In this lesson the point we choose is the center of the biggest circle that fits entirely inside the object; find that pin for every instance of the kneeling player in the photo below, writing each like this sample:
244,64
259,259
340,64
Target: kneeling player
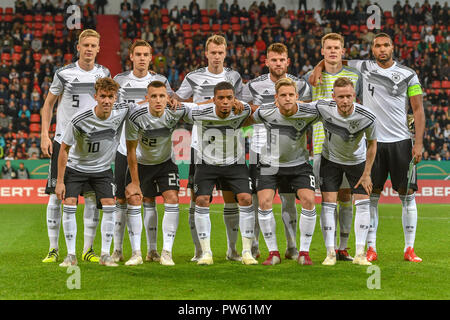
348,126
94,135
222,156
284,160
151,169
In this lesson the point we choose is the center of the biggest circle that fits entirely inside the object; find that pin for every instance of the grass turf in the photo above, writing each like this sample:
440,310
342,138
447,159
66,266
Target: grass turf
24,243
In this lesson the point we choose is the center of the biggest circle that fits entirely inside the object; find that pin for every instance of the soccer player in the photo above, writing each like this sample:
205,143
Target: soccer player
133,88
73,87
284,159
221,155
87,151
152,170
261,91
332,51
389,88
199,85
348,126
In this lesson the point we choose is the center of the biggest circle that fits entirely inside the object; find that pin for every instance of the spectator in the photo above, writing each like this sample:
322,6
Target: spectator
234,9
224,12
22,172
124,14
100,4
8,171
194,11
174,14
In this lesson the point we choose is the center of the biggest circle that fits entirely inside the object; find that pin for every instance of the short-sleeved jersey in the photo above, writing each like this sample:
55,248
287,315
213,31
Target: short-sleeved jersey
76,88
261,90
134,89
286,136
345,141
220,141
386,93
324,90
94,141
154,134
199,84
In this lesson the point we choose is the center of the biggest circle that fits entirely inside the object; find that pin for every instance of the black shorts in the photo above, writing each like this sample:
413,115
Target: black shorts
331,175
53,172
158,178
291,178
101,182
236,176
120,174
393,159
220,183
282,187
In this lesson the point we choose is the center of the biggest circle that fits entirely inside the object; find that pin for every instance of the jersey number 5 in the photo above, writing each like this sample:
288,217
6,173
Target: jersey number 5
76,100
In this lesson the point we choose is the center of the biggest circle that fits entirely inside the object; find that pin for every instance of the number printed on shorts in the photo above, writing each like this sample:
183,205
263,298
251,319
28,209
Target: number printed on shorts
174,180
312,181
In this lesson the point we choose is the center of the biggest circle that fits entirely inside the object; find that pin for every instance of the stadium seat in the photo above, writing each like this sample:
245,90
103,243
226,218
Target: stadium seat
28,18
215,27
188,41
363,27
203,12
186,27
16,56
9,10
234,20
7,18
18,49
264,20
388,14
165,19
37,56
390,21
225,27
35,118
1,10
165,26
37,34
59,26
272,20
212,12
354,28
6,57
48,18
53,127
59,34
35,127
206,27
205,19
38,18
413,28
196,26
436,84
187,34
38,26
446,84
59,18
416,36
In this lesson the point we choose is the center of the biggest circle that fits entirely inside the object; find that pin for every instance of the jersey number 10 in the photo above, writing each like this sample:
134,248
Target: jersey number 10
93,146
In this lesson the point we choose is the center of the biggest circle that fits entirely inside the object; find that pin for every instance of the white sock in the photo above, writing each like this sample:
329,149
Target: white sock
134,223
372,234
192,227
107,228
203,225
256,231
91,216
362,222
289,217
345,223
327,224
268,227
53,221
170,225
307,225
409,219
247,225
151,225
231,219
70,227
120,219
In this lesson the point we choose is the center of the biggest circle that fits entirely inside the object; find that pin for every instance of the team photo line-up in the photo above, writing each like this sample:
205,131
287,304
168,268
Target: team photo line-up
357,110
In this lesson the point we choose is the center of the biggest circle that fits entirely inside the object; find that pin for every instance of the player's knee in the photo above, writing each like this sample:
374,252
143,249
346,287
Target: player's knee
344,195
135,200
170,197
202,201
70,201
121,200
308,201
107,202
244,199
265,203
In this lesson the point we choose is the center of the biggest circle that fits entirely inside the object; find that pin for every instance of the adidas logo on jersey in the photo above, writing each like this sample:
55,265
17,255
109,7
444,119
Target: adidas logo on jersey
266,92
128,85
76,80
205,82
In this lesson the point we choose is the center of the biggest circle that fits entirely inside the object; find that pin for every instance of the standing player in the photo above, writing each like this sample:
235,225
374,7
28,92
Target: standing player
73,85
87,149
261,91
199,85
389,89
332,51
133,88
151,167
348,126
221,150
285,160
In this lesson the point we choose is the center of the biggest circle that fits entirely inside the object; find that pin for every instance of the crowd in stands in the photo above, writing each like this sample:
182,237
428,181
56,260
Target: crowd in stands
35,43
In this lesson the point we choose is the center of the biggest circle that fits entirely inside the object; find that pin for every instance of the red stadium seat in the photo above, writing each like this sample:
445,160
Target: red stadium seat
8,18
164,12
59,34
212,12
6,56
215,27
205,19
186,27
165,26
272,20
236,27
416,36
16,56
413,28
35,127
28,18
59,18
1,10
188,41
48,18
53,127
264,20
446,84
35,117
18,49
9,10
165,19
37,34
38,18
37,56
225,27
68,57
436,84
38,26
354,28
203,12
390,21
234,20
206,27
59,26
196,26
388,14
187,34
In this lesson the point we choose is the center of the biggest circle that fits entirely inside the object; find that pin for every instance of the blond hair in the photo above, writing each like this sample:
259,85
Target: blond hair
277,48
140,43
285,82
333,36
216,39
106,84
343,82
88,33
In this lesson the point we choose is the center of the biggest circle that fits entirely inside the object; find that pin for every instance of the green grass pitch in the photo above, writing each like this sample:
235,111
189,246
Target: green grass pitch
24,243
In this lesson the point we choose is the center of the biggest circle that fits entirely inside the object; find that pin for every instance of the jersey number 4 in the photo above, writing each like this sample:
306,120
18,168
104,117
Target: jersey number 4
371,88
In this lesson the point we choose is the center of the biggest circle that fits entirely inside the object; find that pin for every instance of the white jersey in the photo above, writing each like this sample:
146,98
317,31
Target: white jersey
77,89
261,90
286,136
199,84
134,89
386,93
154,134
345,137
94,141
221,142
